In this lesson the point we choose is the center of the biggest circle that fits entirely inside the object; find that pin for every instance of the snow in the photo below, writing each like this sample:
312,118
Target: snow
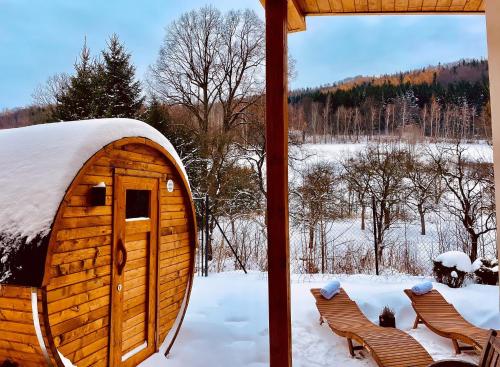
38,164
459,259
226,322
476,265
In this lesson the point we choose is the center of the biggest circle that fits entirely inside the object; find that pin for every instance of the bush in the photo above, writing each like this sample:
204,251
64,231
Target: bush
452,277
451,268
387,318
486,271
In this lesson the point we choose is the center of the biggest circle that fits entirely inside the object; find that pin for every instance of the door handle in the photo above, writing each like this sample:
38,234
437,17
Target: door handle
123,251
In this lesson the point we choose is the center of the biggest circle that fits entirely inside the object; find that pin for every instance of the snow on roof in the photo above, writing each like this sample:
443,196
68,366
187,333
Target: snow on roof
459,259
38,163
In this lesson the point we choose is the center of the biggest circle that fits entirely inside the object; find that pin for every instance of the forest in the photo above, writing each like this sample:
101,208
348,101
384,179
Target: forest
442,102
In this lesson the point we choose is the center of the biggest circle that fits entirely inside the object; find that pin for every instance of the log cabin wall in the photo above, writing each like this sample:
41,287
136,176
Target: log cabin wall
79,263
19,341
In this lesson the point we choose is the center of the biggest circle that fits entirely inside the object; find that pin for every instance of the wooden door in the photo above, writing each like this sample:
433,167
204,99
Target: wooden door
133,313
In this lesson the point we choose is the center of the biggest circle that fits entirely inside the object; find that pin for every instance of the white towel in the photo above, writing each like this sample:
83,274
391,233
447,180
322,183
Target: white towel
330,289
422,288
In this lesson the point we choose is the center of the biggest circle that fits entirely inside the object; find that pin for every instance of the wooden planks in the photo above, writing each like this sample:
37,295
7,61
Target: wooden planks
175,256
18,339
443,319
389,347
299,9
79,271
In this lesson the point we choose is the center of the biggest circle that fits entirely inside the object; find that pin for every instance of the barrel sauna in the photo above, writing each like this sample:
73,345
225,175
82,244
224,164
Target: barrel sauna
97,241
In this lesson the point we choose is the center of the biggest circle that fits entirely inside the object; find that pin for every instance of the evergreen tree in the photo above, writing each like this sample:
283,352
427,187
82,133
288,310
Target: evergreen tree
76,100
122,93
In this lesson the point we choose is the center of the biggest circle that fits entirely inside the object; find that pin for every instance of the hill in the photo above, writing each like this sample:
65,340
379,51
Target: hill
441,102
444,74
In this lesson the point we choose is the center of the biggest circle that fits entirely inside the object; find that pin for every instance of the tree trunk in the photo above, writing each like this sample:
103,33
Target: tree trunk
422,219
473,250
363,214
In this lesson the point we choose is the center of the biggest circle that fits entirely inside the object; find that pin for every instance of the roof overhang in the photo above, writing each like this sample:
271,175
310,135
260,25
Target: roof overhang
299,9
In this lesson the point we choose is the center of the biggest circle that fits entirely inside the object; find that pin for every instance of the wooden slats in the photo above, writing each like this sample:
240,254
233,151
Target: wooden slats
78,293
18,339
299,9
443,319
389,347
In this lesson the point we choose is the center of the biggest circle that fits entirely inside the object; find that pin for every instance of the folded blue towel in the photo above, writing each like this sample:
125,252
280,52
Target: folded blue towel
422,288
330,289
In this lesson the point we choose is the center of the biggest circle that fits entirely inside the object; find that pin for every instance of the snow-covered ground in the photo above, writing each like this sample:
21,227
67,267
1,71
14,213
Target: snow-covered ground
226,323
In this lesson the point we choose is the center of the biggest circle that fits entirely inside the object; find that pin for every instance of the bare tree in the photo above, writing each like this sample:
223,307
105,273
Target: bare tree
471,186
425,190
46,94
210,58
316,204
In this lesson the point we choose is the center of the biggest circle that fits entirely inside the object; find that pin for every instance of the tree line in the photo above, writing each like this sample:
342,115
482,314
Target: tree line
457,108
386,184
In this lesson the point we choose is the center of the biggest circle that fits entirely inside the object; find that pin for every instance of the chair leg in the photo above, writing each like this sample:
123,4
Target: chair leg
417,321
351,347
456,346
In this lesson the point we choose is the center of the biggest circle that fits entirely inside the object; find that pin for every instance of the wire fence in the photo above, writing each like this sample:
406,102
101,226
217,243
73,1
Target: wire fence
344,246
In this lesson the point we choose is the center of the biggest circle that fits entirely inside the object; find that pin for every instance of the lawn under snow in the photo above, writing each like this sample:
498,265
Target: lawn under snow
226,321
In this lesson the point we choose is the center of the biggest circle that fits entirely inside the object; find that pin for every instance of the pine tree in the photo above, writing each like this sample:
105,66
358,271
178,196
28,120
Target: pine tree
76,101
122,92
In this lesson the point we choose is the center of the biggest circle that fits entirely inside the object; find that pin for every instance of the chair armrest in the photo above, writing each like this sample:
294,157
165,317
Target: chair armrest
452,363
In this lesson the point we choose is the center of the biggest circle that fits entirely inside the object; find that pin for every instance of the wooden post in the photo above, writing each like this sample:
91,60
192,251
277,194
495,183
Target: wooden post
493,29
280,339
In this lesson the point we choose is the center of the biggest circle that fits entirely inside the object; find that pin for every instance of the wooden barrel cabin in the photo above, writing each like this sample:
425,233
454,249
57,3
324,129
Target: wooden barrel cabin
97,241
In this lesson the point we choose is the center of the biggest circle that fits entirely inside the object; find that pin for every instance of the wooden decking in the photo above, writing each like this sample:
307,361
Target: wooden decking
389,347
443,319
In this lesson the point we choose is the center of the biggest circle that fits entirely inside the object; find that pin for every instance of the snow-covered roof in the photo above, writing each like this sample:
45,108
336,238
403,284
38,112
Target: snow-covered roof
38,164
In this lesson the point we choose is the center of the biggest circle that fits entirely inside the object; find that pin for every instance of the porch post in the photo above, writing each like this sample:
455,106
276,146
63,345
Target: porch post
277,183
493,30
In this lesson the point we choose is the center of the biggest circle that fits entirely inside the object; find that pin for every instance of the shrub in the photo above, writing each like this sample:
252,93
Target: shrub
387,318
486,271
452,277
451,268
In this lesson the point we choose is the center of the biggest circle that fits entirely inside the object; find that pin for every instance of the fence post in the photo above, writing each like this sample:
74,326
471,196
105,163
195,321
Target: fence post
375,239
207,232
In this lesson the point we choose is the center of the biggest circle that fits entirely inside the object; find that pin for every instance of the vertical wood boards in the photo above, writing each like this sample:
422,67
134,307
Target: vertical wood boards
133,290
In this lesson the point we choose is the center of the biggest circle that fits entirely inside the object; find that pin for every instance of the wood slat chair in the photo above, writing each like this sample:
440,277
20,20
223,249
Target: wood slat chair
490,356
389,347
443,319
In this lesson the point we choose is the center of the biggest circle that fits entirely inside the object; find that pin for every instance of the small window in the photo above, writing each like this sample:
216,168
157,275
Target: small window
137,204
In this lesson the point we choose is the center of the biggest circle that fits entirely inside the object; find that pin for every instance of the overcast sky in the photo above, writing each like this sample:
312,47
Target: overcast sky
41,38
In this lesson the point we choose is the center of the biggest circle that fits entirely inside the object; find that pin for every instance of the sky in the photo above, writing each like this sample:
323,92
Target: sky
42,38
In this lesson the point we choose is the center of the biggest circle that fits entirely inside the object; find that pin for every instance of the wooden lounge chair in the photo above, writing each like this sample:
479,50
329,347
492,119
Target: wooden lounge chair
490,356
389,347
443,319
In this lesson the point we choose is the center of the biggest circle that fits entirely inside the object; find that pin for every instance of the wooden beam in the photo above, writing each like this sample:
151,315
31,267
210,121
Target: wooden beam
280,339
493,30
296,16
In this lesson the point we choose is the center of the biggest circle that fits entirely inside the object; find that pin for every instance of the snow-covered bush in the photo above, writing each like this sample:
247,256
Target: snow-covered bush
451,268
486,271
